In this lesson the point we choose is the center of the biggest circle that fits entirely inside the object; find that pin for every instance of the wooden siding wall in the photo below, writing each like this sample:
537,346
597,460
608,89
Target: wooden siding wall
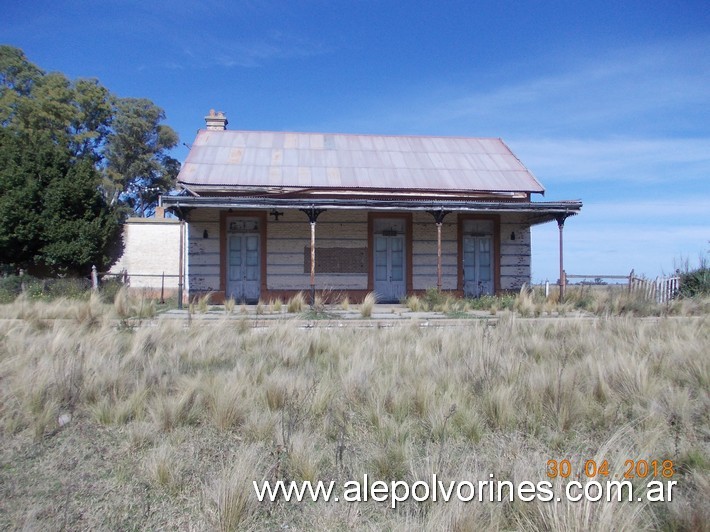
288,236
515,254
203,253
424,252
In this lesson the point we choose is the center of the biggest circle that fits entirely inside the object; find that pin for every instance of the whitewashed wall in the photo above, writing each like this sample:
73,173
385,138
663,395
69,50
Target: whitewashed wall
203,253
424,243
515,254
288,236
151,246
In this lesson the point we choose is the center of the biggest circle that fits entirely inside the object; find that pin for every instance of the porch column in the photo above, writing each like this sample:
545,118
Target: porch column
563,278
439,219
313,214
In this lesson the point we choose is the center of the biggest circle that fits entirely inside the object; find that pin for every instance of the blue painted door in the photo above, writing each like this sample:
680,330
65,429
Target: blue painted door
244,275
389,268
477,266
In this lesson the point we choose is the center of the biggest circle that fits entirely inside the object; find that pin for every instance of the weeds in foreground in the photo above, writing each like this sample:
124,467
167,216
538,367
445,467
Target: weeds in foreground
164,468
193,415
448,303
368,304
276,305
230,497
296,304
129,305
203,303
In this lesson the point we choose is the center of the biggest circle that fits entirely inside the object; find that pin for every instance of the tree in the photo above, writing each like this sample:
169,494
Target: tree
78,226
74,159
23,175
52,214
124,137
138,167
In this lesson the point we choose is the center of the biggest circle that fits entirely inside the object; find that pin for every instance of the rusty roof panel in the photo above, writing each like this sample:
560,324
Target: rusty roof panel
279,159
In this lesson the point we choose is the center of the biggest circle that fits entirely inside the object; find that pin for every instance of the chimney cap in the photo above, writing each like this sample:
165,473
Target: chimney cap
216,121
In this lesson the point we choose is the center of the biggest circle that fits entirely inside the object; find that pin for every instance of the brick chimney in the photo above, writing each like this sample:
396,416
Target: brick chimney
216,121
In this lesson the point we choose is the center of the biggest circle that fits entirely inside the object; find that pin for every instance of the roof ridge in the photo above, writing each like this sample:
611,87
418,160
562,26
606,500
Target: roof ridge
284,132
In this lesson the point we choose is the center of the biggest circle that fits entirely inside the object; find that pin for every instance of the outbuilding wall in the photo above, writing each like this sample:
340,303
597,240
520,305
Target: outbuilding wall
151,247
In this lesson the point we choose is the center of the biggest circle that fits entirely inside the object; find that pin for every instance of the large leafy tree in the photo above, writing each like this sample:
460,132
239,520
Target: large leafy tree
138,166
73,159
53,217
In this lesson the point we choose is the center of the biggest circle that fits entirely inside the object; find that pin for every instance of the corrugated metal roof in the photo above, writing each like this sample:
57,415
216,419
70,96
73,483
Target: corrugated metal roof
268,159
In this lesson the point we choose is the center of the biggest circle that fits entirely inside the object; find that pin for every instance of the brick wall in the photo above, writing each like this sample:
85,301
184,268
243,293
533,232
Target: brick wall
151,246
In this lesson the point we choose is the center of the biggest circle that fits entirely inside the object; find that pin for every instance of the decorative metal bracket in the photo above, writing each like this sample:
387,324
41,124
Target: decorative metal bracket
561,218
276,214
312,213
439,215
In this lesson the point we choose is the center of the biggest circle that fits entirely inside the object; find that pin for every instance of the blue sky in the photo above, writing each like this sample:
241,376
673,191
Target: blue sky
607,101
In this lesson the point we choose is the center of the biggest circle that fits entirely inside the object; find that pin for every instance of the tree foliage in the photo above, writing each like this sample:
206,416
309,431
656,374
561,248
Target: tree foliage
74,159
137,164
53,216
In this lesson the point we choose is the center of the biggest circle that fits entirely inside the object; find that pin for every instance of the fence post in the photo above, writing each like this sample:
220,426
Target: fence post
162,289
547,289
94,278
631,280
563,284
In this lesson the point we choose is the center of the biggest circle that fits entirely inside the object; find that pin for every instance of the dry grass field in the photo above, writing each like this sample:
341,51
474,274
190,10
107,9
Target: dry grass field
104,425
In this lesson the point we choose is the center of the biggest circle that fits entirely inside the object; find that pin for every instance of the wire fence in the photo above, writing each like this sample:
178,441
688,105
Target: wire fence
124,278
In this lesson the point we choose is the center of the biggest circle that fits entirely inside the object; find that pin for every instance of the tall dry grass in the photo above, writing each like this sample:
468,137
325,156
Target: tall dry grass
175,421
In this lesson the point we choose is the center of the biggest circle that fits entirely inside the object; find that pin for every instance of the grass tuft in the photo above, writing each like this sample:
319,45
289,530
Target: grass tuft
368,304
296,304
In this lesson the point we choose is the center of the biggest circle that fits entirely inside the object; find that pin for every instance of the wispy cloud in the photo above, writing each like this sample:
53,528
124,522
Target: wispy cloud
249,53
640,91
634,160
627,93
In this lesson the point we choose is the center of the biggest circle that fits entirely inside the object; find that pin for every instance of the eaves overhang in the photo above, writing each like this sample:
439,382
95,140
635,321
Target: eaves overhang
536,212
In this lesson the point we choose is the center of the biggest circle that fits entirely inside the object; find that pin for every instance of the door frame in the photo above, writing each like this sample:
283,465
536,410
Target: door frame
496,248
223,248
407,217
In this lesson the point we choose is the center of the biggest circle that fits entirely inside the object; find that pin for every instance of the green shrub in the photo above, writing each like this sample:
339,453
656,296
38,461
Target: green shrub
696,282
70,287
10,288
434,299
108,288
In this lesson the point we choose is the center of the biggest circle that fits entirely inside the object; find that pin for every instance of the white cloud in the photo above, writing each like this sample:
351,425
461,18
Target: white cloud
652,91
249,53
619,159
626,93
